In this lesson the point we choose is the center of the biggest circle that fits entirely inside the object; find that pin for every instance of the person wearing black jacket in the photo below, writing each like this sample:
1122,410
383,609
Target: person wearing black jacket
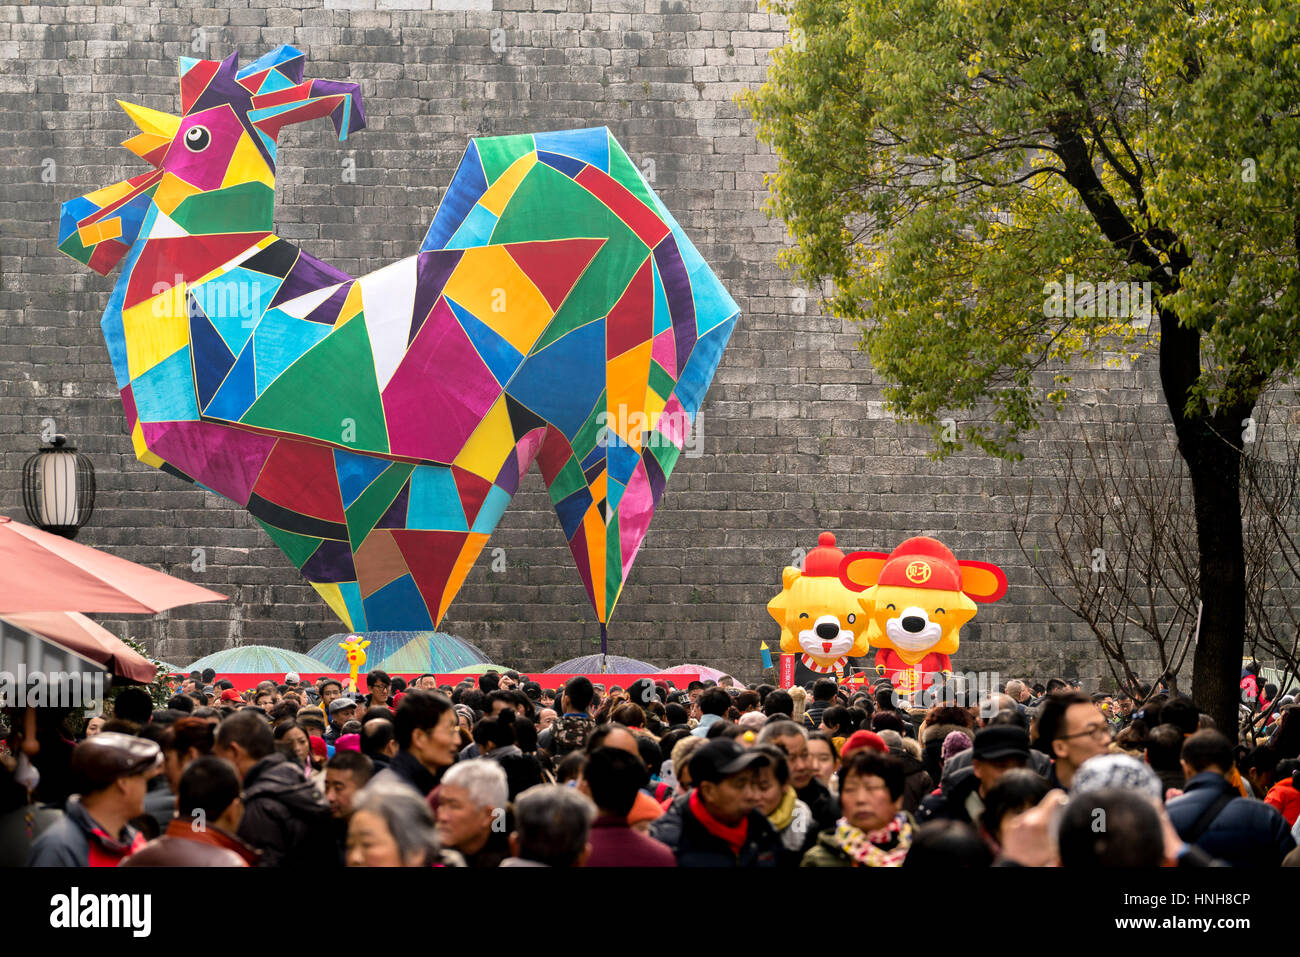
379,742
1213,816
497,737
998,748
285,817
342,710
427,739
823,693
717,823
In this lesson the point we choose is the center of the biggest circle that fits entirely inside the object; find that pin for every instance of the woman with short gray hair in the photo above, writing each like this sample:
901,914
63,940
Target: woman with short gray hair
392,826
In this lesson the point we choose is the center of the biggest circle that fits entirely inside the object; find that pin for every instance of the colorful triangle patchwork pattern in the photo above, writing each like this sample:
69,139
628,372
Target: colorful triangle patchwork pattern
377,426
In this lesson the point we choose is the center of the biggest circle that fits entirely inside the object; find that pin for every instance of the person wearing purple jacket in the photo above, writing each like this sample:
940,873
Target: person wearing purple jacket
613,777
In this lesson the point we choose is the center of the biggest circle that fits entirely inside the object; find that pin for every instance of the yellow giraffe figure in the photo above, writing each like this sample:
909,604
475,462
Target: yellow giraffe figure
355,649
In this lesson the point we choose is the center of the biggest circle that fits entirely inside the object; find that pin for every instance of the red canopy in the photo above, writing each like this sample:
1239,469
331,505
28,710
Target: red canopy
43,572
79,634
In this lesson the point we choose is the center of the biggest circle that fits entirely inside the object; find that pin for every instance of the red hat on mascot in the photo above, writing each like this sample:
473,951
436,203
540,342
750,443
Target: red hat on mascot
824,560
922,563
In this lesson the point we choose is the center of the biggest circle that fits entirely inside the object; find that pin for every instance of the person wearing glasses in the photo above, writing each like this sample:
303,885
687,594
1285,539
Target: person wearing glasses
1071,729
378,686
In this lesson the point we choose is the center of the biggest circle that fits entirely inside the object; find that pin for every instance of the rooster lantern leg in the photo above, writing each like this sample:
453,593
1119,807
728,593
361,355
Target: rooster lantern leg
916,600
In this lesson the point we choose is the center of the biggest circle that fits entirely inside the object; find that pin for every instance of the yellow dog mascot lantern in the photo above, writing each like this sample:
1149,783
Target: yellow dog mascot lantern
916,599
820,618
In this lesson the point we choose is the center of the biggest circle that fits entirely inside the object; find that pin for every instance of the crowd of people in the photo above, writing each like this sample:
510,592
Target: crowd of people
498,771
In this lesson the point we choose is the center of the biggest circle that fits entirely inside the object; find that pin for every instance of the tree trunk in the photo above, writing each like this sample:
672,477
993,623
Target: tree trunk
1211,447
1214,461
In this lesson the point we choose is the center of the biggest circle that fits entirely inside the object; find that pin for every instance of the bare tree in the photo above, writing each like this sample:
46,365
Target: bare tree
1120,549
1271,522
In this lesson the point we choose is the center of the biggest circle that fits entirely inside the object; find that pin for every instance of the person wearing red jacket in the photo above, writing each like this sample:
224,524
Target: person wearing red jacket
111,773
202,834
1285,796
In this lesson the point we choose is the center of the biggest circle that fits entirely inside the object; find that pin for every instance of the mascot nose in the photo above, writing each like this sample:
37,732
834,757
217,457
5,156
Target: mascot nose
828,630
913,623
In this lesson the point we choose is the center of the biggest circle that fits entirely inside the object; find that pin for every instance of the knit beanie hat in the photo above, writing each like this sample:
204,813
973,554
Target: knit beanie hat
955,743
1116,771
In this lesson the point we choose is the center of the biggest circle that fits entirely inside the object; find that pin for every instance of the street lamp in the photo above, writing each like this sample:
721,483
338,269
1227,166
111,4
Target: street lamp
59,488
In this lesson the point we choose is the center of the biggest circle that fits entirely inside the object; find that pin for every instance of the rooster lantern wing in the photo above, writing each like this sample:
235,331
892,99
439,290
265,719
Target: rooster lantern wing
820,618
915,600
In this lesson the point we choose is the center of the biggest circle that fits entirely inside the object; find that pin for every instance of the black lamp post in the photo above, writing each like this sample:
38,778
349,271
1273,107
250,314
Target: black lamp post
59,488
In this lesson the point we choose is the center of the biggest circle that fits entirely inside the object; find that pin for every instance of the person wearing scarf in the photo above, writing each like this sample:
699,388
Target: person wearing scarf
874,830
718,823
779,803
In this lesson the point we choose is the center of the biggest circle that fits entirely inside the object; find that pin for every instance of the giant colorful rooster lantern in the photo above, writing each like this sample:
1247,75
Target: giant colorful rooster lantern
377,426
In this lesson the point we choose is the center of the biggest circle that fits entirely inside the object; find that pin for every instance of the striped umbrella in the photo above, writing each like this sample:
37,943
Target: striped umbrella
479,669
259,660
613,665
404,652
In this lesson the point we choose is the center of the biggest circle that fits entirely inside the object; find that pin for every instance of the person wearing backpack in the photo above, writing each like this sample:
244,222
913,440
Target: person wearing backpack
1213,816
568,733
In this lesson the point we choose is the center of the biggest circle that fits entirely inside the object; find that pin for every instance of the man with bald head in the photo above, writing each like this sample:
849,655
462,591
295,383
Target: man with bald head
612,735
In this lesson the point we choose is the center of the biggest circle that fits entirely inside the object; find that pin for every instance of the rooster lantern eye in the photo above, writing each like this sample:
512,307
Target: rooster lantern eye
197,139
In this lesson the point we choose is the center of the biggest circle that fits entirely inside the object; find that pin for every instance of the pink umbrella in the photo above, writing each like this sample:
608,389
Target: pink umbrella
43,572
706,673
77,633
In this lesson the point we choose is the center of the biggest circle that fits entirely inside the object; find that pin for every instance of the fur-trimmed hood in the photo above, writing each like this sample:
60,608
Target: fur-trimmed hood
941,731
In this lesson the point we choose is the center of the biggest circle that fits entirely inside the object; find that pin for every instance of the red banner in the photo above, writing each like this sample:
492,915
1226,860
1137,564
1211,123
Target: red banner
787,671
244,682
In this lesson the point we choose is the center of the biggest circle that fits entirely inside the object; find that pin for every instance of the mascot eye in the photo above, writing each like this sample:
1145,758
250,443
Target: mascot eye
197,139
803,614
890,608
938,611
852,619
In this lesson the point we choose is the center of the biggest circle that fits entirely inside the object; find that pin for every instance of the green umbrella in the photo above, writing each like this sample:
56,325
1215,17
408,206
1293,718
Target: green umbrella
479,669
258,659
